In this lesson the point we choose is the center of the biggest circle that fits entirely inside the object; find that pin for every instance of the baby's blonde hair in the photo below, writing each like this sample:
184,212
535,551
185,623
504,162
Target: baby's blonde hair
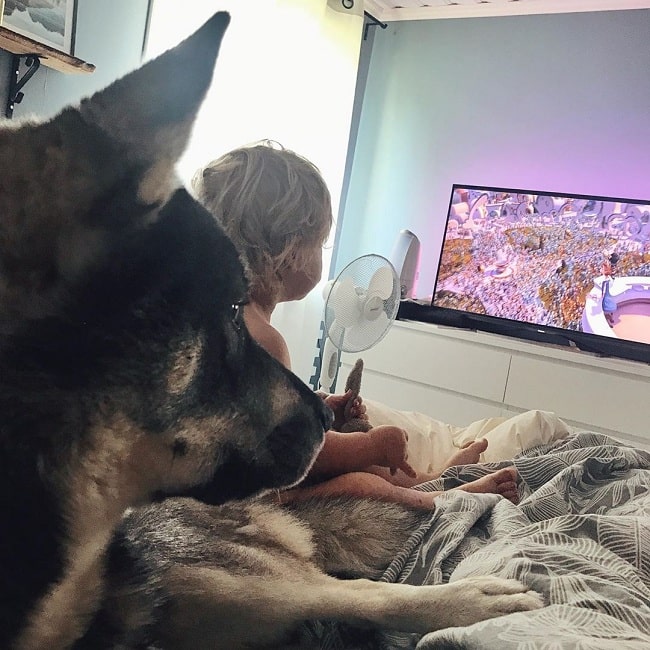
273,204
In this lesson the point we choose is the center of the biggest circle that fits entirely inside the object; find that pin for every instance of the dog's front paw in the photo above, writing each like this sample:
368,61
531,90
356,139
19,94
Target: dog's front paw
486,597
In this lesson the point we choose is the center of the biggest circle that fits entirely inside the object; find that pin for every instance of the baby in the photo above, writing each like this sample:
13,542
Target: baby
276,207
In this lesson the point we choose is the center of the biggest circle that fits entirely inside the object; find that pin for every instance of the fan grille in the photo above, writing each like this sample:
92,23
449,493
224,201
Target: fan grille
362,303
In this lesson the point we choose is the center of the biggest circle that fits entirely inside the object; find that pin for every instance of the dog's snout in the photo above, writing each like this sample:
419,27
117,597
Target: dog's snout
321,411
326,416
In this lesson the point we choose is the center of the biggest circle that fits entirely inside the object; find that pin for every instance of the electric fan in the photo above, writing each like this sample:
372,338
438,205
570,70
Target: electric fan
360,306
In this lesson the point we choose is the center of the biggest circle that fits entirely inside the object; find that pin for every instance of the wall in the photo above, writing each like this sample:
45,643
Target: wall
287,71
552,102
110,35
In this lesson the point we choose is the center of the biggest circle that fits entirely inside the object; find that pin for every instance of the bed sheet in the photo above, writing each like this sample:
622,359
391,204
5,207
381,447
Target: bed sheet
580,537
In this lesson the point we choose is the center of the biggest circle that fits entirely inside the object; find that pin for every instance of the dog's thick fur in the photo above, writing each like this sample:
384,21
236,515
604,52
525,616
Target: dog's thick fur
127,377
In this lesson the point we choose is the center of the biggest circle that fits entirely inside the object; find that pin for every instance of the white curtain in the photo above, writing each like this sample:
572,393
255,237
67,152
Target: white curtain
287,71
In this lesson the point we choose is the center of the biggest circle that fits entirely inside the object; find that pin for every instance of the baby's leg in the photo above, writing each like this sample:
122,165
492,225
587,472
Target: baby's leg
364,484
468,454
503,482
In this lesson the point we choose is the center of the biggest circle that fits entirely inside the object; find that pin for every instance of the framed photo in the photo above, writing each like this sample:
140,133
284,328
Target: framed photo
50,22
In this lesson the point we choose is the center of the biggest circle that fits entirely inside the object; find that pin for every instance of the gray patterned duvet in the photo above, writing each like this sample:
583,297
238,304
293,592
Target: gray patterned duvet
581,537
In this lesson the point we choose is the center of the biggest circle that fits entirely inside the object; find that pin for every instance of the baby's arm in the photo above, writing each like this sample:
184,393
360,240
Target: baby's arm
385,446
339,404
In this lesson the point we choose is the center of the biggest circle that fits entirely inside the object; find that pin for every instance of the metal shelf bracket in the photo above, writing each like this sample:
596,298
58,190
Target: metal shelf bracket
17,82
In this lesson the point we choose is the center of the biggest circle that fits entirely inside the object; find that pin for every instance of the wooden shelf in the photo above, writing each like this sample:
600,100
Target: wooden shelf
19,44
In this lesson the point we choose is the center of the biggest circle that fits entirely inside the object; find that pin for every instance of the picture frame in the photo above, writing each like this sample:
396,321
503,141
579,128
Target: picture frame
51,22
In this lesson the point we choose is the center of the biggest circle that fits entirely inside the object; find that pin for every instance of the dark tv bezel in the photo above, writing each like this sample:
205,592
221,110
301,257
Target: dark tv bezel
586,342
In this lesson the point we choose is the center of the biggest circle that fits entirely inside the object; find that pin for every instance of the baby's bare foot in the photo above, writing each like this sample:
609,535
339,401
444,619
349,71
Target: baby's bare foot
503,482
468,454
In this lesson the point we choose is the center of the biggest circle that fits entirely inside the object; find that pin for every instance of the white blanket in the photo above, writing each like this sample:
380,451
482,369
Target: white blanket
432,442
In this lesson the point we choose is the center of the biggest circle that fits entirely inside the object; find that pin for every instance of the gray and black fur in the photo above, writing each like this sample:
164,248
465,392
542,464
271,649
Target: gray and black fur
127,377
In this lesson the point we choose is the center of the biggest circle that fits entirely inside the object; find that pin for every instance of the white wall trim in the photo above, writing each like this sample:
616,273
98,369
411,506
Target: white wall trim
513,8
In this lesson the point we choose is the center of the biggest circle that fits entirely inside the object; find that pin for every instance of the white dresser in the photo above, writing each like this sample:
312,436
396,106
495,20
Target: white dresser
459,376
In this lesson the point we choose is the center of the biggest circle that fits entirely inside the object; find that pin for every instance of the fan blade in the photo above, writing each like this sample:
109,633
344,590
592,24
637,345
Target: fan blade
344,302
381,283
365,334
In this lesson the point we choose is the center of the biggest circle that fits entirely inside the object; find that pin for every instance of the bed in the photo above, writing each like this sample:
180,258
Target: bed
580,536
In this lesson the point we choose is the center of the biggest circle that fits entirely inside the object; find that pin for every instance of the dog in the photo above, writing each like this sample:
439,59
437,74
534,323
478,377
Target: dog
142,431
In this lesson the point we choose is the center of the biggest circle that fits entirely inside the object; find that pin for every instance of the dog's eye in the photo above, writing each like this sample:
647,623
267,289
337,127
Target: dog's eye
237,314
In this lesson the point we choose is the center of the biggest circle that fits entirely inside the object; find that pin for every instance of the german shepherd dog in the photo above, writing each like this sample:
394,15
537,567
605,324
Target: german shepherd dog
127,378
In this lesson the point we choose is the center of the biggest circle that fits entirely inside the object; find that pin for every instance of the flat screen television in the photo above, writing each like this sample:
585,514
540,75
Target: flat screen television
564,268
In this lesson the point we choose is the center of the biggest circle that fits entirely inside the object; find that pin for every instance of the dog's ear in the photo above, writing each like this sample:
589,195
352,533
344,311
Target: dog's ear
71,187
151,111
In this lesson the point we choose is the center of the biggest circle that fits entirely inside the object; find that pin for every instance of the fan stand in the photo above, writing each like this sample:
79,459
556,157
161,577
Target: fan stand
330,362
329,366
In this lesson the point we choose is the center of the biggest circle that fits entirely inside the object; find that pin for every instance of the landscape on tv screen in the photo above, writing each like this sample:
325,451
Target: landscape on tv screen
575,263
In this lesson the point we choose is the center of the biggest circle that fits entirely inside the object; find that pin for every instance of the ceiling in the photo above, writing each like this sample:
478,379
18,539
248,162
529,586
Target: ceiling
390,10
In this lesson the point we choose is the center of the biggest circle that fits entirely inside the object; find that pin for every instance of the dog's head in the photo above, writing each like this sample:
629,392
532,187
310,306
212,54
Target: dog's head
126,370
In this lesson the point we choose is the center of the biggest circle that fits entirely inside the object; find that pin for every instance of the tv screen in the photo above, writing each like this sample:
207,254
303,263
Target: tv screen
561,268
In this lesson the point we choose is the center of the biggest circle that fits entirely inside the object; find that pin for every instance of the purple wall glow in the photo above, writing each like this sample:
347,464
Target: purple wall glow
556,103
